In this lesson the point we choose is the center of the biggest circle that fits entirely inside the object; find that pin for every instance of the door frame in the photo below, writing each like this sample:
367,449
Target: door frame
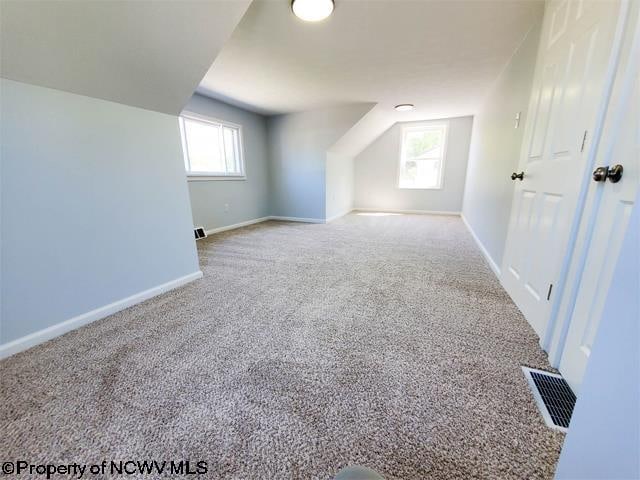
628,27
554,322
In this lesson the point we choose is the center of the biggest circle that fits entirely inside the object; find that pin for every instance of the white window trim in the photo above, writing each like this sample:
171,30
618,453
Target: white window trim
207,176
422,126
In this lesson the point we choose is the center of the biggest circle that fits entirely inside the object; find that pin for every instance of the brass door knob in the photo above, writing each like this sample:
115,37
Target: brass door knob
614,174
600,174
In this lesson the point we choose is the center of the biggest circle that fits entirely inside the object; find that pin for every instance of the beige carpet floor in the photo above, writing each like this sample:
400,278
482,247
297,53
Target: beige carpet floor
384,341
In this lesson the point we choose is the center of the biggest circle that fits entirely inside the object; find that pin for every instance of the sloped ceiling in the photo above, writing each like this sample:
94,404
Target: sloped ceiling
440,55
148,54
369,127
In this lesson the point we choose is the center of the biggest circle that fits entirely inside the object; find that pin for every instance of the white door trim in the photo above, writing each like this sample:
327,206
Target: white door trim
545,321
561,318
614,61
546,325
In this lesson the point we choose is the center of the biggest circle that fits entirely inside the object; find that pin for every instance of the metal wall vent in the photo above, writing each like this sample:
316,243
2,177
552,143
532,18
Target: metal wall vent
200,233
553,395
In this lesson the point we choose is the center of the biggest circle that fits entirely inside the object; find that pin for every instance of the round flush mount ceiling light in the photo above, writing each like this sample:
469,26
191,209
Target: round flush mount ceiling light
312,10
404,107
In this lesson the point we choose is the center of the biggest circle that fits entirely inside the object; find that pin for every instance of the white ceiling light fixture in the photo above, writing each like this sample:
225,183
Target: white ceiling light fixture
404,107
312,10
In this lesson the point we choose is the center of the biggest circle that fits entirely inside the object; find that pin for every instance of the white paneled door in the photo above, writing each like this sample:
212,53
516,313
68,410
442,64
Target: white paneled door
569,92
611,210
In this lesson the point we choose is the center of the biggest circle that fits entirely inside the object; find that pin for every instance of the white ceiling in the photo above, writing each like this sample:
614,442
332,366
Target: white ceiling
440,55
146,53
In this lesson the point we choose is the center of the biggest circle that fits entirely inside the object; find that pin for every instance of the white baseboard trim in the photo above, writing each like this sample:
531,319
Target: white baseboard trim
335,217
490,261
212,231
58,329
411,212
297,219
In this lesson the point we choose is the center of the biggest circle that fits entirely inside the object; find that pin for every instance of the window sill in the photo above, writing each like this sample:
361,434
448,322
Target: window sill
419,188
213,178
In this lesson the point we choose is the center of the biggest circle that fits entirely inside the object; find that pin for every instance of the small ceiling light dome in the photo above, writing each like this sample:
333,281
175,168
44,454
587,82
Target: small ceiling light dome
312,10
404,107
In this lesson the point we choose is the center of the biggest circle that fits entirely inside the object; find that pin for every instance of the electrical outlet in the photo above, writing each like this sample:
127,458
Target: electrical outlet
226,207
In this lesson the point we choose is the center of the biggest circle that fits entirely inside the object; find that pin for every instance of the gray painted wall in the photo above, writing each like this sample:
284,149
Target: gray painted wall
376,172
246,199
495,149
94,205
340,188
298,145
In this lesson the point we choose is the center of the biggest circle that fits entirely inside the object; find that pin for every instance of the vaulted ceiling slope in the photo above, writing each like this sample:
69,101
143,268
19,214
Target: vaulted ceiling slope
440,55
148,54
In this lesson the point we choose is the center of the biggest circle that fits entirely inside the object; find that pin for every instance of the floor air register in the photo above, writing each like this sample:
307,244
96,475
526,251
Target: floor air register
553,395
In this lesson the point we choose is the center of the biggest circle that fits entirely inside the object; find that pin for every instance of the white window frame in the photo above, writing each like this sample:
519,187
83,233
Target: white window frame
204,176
424,126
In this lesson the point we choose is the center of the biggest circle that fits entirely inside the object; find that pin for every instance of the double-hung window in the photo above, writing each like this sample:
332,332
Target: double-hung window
422,156
212,148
